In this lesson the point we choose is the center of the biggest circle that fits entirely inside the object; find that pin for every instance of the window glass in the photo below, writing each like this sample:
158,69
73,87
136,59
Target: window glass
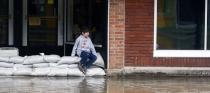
42,22
180,24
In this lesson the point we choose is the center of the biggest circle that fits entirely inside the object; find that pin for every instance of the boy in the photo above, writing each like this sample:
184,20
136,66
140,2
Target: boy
84,48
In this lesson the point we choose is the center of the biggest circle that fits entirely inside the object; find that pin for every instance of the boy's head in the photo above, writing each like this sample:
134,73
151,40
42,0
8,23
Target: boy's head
85,31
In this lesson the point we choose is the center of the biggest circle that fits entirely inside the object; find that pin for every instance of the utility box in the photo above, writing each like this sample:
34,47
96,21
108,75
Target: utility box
9,51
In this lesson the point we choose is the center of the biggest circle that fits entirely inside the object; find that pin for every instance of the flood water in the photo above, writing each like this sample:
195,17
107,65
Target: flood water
104,85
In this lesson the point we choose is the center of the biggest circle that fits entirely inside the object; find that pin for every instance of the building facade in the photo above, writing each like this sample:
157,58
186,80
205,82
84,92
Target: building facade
158,34
128,33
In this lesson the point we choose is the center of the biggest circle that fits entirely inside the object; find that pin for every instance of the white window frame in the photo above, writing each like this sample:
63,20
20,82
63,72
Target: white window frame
180,53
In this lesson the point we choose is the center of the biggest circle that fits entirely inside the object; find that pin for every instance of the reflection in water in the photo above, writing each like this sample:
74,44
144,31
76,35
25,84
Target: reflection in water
159,85
103,85
52,85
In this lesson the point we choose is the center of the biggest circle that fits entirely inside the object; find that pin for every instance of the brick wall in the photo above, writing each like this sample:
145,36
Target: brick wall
139,31
116,33
139,39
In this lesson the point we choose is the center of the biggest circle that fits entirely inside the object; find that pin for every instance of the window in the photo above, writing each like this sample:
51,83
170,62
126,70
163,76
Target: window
181,28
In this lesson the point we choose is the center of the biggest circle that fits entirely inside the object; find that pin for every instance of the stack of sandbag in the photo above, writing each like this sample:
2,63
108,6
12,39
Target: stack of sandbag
36,65
42,66
21,69
93,71
6,66
47,65
63,66
96,70
56,70
73,70
99,61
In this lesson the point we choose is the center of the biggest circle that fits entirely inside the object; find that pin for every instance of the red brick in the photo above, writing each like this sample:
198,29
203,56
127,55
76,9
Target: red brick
116,33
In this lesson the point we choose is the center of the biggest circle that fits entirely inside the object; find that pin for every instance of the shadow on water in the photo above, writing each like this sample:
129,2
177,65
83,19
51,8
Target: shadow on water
104,85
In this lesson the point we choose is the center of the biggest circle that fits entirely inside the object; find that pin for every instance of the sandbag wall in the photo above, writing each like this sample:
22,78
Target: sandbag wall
48,65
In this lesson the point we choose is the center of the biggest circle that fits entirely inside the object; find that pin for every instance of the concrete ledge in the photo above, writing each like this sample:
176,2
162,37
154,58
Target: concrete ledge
160,71
114,72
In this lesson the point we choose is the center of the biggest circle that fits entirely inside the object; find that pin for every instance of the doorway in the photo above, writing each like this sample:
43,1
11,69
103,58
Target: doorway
92,14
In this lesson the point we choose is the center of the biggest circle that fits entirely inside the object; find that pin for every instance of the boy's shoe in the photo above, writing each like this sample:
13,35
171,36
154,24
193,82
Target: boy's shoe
81,68
85,70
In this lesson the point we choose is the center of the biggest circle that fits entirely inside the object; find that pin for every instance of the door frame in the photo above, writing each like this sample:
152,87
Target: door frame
10,20
11,23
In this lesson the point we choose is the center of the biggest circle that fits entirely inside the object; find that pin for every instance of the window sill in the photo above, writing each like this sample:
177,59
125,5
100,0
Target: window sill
182,53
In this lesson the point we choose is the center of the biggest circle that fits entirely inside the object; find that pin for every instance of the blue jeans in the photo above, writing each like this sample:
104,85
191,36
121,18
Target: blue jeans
87,59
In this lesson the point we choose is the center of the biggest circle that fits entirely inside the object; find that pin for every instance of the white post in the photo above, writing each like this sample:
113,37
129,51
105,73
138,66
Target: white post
206,24
25,24
11,21
60,22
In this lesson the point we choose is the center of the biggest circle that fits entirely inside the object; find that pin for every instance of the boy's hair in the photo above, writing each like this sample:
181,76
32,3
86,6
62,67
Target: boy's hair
84,29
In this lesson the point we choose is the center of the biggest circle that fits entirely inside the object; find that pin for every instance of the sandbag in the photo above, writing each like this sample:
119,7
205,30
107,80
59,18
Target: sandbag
4,59
22,66
6,71
58,66
73,66
69,60
6,65
34,59
22,71
75,72
51,58
41,71
52,64
41,65
17,59
99,61
62,66
58,71
95,72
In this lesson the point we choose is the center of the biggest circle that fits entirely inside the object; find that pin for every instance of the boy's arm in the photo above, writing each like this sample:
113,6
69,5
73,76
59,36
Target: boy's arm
93,49
75,47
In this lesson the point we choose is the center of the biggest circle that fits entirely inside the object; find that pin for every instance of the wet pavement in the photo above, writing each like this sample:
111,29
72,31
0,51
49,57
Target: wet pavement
104,85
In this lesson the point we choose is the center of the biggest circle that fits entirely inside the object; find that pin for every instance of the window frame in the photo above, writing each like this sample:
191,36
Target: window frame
180,53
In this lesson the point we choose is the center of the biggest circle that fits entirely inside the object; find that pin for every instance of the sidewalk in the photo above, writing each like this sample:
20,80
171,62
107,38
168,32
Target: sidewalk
160,71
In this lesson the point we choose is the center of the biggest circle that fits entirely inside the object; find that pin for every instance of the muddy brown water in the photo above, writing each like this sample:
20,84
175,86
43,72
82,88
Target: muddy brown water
104,85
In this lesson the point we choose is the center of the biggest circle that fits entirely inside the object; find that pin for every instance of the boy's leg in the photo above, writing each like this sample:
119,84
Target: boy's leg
83,61
84,56
92,58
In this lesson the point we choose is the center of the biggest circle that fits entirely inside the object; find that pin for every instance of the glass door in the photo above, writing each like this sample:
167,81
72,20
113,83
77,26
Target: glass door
42,22
4,16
